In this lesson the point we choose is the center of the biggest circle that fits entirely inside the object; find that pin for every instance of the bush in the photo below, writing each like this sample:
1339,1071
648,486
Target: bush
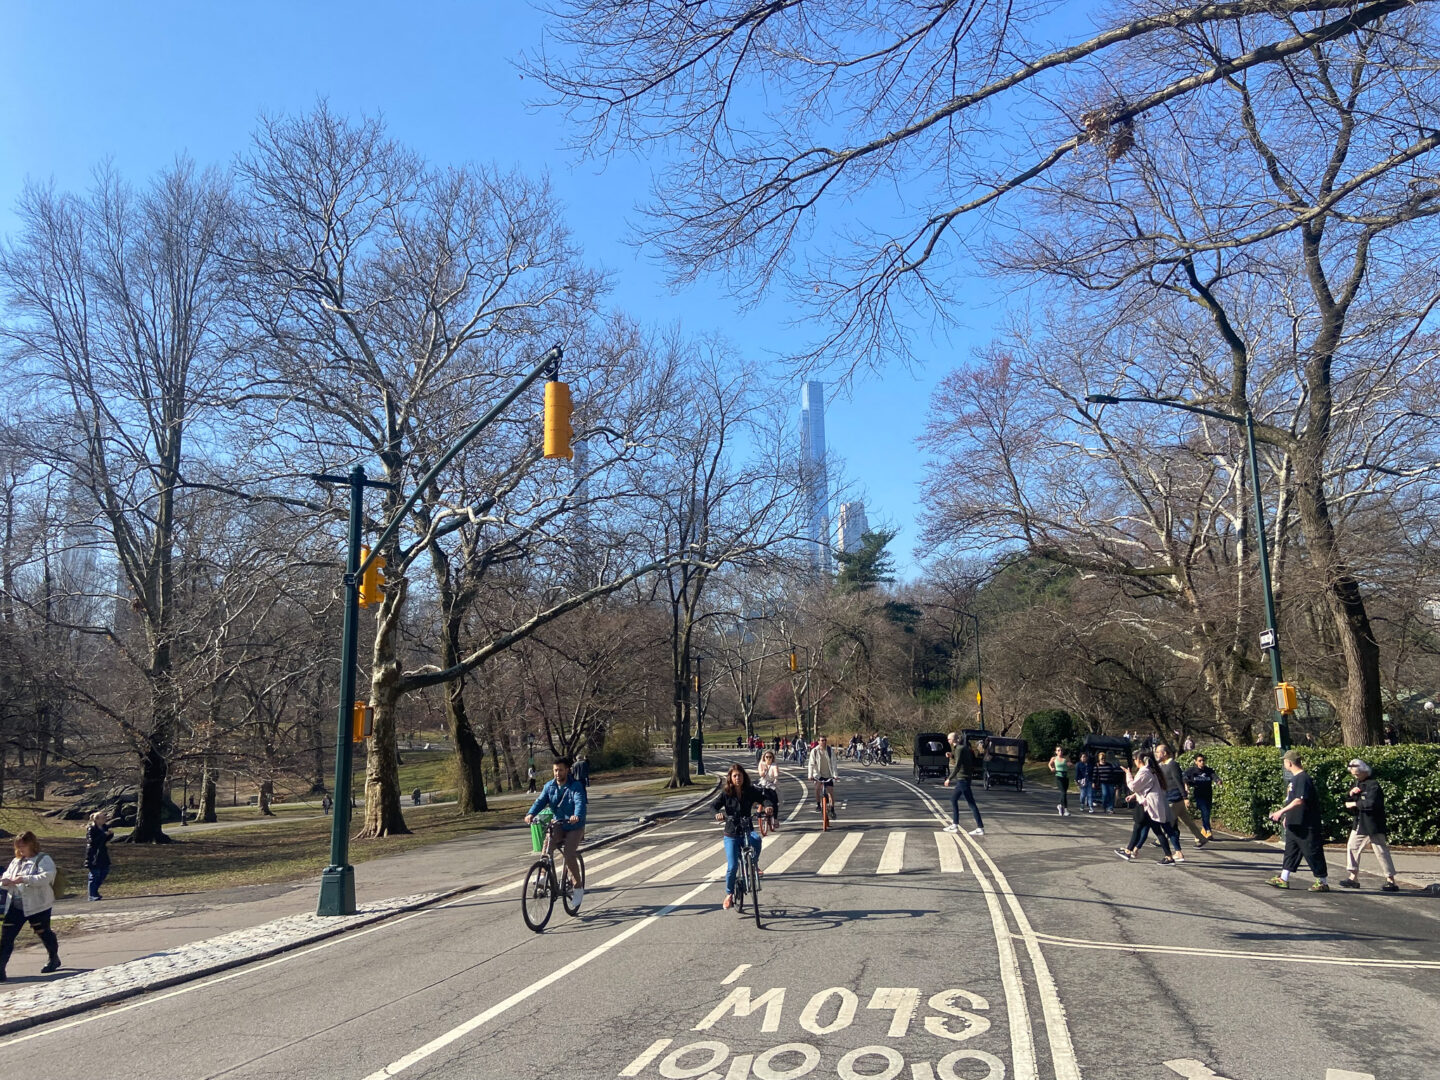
1047,729
1252,784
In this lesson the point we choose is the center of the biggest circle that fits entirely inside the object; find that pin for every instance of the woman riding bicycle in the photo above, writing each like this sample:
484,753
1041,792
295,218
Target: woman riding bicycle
767,779
734,806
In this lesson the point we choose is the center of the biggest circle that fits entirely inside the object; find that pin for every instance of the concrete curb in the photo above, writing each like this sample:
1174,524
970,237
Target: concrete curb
321,933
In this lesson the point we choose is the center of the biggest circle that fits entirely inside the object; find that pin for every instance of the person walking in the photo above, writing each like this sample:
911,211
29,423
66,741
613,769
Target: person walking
29,885
1062,767
326,804
1147,791
1177,795
1104,779
1200,778
97,852
530,779
582,771
1084,773
962,768
1301,815
1366,800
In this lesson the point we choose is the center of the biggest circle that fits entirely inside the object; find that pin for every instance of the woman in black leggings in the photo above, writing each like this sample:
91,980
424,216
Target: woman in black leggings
1062,767
1147,791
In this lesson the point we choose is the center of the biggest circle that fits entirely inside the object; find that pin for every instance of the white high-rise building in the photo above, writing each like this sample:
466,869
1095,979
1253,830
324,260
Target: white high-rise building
851,525
813,474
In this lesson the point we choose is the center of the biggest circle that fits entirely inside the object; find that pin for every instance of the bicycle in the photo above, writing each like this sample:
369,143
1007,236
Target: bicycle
866,756
747,878
537,899
825,796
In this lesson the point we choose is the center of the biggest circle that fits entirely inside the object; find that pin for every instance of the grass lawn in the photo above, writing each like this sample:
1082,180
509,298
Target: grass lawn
276,852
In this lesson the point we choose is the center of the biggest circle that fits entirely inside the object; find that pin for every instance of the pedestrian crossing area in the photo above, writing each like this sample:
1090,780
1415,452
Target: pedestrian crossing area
791,853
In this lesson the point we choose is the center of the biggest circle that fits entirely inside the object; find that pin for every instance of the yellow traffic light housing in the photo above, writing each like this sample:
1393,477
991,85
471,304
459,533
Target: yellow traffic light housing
372,582
364,722
1285,699
794,661
558,409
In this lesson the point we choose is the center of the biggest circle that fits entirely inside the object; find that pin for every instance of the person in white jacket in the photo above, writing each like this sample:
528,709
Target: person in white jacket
824,770
29,885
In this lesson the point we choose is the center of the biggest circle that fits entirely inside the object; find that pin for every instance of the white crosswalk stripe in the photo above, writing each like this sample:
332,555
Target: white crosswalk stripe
788,857
948,846
635,868
704,855
892,859
841,855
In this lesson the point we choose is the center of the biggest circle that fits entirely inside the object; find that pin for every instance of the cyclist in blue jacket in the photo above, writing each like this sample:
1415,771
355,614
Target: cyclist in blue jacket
564,796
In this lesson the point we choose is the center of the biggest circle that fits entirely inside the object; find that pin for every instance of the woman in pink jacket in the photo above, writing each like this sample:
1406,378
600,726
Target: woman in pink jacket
1147,791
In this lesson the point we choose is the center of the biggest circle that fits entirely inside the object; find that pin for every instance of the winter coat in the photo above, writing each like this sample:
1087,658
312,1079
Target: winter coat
36,891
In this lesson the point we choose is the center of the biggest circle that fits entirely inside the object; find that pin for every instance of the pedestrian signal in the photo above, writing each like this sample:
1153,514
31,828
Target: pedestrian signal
364,722
372,582
558,431
1285,700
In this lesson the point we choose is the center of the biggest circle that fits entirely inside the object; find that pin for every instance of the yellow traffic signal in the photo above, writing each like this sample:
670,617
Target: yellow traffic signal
794,661
558,431
372,582
1285,698
363,723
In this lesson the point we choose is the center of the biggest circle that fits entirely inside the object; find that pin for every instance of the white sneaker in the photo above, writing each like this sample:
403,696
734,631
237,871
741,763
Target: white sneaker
952,828
575,898
1059,810
977,832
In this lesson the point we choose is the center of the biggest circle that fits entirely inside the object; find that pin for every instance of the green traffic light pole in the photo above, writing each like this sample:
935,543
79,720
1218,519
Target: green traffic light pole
1282,727
337,881
979,686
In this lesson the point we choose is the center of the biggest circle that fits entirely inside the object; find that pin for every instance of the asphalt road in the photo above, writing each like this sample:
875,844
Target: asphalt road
890,950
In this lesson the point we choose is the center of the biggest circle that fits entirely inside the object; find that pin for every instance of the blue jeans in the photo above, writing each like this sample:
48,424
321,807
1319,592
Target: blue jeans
1203,805
732,858
98,874
1087,795
962,791
1107,796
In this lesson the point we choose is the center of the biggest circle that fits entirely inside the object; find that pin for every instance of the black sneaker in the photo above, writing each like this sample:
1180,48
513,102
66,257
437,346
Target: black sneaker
1124,854
53,965
1389,886
1349,883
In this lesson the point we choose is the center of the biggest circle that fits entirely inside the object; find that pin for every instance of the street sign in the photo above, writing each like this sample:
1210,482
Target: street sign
1267,638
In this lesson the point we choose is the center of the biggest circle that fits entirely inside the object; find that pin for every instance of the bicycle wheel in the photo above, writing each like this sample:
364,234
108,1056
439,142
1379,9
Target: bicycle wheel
538,898
752,871
567,887
740,885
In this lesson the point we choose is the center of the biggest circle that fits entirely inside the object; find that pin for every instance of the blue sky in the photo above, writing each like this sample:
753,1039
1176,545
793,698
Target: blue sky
141,84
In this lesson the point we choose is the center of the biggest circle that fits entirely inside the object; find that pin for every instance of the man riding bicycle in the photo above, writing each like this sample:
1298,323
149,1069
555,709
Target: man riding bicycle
824,770
564,796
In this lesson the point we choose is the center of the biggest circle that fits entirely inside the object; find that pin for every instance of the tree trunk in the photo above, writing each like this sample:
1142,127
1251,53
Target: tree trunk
1361,722
42,751
680,759
207,790
469,754
507,750
150,806
383,813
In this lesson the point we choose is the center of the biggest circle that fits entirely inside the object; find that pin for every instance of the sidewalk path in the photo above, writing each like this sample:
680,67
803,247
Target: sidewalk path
133,946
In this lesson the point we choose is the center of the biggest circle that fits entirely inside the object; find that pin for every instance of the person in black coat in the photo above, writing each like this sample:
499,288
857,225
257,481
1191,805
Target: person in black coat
97,851
735,806
1366,800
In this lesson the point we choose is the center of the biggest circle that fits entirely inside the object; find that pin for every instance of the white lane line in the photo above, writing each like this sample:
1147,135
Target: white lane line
948,845
788,859
892,859
706,852
841,855
800,802
603,864
635,868
733,976
1241,954
434,1046
1017,1009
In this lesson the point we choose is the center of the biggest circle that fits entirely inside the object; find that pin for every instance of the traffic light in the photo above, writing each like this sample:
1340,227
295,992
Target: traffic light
1285,698
372,582
364,722
794,661
558,431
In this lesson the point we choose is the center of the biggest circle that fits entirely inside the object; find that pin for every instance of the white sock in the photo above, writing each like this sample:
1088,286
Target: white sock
1284,875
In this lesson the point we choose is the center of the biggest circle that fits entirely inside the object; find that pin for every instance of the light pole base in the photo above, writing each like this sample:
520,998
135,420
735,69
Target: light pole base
337,891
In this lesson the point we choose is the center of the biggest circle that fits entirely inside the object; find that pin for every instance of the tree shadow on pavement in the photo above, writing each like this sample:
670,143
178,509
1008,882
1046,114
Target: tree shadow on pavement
790,919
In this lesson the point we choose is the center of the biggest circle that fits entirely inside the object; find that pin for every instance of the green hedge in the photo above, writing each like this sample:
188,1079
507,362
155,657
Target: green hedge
1252,783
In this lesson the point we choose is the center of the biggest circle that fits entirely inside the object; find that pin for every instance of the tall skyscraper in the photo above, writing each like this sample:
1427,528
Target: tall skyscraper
852,525
813,474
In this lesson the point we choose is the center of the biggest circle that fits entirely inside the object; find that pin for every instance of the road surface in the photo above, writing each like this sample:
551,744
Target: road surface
890,950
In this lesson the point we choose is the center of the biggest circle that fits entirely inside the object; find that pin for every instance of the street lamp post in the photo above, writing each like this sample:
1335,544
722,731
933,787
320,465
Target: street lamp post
337,881
1270,640
979,687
